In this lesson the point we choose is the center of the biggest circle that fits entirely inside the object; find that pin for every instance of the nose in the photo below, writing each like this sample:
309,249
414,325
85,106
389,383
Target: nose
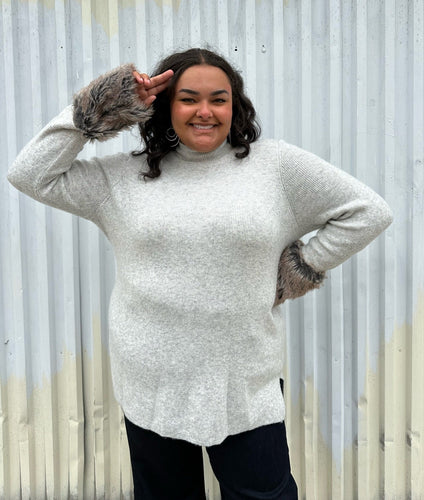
204,111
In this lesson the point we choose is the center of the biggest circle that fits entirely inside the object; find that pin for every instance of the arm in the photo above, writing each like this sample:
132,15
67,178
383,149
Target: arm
347,214
117,101
46,169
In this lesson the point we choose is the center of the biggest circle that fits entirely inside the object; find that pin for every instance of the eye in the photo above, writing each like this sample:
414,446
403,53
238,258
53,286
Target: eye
187,99
219,100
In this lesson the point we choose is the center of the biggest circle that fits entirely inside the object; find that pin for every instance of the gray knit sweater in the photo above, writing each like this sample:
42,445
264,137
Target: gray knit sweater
195,335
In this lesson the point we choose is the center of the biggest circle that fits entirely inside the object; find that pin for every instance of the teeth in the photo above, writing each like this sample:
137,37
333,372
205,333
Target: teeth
202,127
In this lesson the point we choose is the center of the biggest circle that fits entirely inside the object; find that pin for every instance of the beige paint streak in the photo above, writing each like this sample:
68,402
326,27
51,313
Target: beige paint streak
388,459
67,440
415,437
69,434
106,14
50,4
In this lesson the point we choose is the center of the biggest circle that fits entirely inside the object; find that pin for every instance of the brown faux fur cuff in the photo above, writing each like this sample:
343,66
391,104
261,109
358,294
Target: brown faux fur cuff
109,104
295,277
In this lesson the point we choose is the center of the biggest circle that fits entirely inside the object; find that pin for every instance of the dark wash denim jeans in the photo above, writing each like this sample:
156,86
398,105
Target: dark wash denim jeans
251,465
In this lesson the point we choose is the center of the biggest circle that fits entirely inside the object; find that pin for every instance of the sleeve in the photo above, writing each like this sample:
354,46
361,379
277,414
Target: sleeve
47,169
347,214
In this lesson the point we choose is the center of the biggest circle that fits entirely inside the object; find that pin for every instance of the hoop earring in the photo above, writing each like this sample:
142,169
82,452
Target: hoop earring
172,138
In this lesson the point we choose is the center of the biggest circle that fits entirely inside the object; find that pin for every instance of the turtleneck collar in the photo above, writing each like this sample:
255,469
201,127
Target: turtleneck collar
188,154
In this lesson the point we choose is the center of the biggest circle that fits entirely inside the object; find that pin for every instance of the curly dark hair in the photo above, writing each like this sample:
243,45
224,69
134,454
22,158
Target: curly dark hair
244,127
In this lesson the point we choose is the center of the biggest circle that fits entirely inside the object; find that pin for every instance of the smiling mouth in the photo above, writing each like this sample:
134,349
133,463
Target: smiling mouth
202,127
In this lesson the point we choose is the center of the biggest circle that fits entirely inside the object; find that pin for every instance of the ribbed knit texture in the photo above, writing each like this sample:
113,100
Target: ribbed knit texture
196,345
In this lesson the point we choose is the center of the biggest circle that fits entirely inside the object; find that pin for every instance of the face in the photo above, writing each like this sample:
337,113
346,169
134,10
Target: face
202,108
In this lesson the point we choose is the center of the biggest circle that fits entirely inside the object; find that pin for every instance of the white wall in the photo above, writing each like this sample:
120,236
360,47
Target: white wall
344,79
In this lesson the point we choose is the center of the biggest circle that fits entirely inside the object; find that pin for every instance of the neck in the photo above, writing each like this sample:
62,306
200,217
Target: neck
189,154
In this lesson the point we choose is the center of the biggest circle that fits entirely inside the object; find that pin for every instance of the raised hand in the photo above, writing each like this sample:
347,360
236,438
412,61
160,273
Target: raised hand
148,88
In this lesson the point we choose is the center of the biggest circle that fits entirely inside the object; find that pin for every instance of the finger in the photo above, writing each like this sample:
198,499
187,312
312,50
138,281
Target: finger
142,78
147,102
149,87
157,89
146,79
137,76
161,79
141,90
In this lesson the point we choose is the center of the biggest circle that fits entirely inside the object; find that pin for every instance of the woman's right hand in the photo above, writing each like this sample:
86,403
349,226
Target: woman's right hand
148,88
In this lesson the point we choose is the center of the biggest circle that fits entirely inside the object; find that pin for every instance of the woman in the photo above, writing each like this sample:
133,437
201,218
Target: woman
205,225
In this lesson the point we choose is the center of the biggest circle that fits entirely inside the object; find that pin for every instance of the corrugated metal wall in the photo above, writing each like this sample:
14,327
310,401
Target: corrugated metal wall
344,79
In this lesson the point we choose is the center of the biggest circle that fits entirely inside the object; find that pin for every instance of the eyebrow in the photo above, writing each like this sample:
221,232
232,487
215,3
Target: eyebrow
194,92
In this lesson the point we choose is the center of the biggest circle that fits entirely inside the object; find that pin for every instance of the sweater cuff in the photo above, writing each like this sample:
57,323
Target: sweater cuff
109,104
295,277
